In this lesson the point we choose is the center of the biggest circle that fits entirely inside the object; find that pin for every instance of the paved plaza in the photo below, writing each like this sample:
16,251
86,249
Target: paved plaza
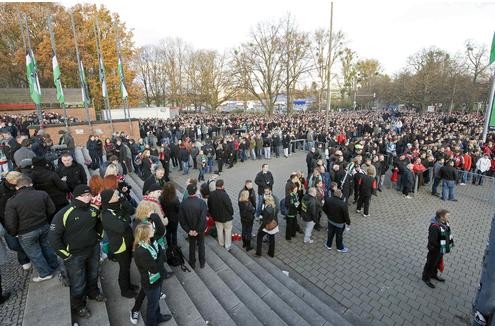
14,280
380,279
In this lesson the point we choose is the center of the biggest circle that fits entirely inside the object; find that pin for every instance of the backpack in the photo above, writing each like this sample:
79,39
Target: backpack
283,209
175,257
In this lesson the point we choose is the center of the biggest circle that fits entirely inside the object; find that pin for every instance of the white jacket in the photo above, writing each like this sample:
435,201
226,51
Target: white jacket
483,164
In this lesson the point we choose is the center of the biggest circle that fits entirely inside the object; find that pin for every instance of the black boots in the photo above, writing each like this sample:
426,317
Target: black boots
246,243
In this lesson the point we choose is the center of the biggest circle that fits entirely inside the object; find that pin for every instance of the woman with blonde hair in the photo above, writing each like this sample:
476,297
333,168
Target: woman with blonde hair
149,261
147,211
269,215
246,210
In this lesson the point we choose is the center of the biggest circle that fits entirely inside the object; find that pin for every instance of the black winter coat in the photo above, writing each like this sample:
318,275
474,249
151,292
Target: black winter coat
246,211
75,175
192,214
27,210
171,209
49,181
116,221
6,191
148,266
220,206
336,210
263,180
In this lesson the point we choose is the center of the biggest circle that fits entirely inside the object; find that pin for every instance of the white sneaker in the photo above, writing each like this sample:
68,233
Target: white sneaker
407,197
134,317
462,184
366,215
26,266
309,241
358,211
163,296
40,279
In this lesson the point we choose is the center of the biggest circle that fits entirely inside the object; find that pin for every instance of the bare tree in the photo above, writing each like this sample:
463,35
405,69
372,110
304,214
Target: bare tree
259,63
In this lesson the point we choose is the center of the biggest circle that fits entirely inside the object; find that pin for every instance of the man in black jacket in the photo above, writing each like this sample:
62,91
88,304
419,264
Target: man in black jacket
26,216
71,172
448,174
74,234
220,208
49,181
116,219
192,218
367,185
309,213
157,178
264,179
248,185
338,216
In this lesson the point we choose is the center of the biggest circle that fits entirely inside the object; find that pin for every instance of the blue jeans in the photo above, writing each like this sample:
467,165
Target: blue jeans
259,203
82,270
335,231
185,167
153,307
448,186
13,245
253,153
35,244
267,151
210,165
434,187
201,176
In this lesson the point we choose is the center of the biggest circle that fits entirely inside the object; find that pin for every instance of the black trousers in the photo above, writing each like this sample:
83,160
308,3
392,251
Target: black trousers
220,165
171,235
366,200
124,260
290,229
198,241
247,230
139,300
430,270
259,242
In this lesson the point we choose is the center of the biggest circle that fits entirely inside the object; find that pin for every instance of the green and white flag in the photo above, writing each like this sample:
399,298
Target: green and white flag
84,86
32,77
102,79
492,52
56,79
123,90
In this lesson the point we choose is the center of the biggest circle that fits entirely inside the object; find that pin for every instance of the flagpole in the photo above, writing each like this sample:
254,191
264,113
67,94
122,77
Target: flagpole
22,30
121,78
329,93
84,90
102,73
52,41
28,37
489,109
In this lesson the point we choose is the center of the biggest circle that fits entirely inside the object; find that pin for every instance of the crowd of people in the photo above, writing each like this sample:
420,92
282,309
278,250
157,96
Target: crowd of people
76,219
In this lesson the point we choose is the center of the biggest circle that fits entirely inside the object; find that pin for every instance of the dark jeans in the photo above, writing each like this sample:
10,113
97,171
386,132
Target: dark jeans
366,200
434,187
139,300
171,234
198,240
448,188
153,314
332,231
124,260
220,165
430,269
259,242
82,270
247,230
39,251
13,245
290,229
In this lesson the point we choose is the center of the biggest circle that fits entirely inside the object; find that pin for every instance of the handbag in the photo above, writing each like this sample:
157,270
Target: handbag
272,225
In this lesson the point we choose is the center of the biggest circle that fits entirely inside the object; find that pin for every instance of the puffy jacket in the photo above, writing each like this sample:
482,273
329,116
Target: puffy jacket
27,210
246,211
75,229
220,206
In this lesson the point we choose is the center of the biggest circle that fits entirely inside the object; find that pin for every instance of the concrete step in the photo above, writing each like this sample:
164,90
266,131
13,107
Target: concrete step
137,190
265,315
118,307
241,314
39,312
200,294
139,182
311,300
255,283
99,314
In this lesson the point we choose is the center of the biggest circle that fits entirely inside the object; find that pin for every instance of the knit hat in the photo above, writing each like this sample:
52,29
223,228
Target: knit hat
106,195
80,190
154,187
192,189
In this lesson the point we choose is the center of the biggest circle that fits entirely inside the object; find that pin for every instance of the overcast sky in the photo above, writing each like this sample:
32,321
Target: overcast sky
389,31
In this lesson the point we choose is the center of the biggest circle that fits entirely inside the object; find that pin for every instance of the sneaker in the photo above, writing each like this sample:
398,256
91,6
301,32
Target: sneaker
134,317
26,266
84,312
343,250
328,247
164,318
462,184
366,215
40,279
358,211
4,298
309,241
407,197
163,296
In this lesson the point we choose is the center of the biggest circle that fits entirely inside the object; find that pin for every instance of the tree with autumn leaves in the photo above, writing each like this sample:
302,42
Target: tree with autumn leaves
12,51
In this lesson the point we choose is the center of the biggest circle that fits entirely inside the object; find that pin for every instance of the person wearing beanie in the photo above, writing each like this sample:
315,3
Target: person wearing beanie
192,219
116,214
74,235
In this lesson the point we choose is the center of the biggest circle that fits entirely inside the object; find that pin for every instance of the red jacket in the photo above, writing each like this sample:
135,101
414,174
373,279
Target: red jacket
468,162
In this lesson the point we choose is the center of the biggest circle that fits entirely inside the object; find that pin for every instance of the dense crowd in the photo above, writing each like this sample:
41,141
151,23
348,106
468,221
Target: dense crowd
74,221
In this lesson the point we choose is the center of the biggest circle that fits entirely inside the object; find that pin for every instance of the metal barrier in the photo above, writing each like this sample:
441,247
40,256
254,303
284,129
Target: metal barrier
300,144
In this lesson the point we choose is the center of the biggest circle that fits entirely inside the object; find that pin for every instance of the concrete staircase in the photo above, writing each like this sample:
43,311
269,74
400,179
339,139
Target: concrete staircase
234,288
